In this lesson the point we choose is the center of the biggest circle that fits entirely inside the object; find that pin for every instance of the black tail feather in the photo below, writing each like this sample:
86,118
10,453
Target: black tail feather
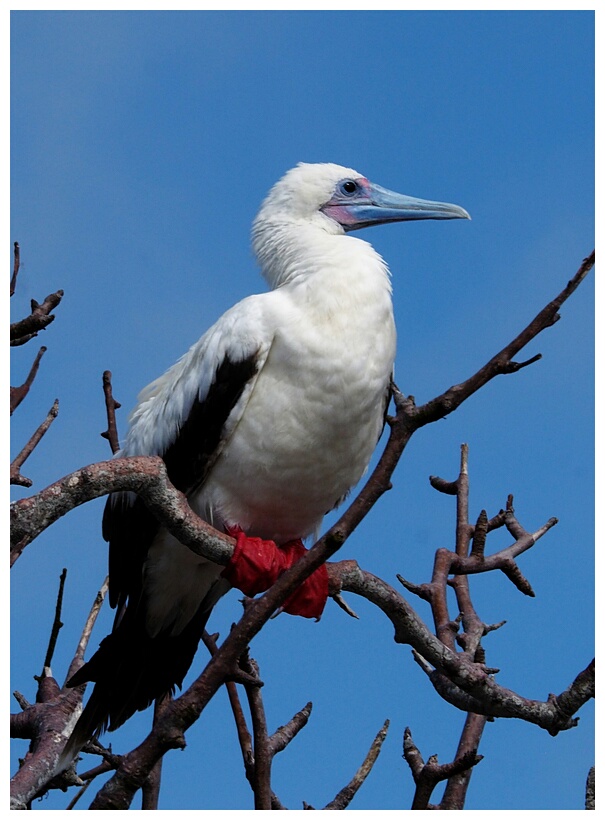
131,670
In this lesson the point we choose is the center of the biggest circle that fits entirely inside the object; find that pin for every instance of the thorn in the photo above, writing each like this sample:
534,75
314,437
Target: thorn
344,605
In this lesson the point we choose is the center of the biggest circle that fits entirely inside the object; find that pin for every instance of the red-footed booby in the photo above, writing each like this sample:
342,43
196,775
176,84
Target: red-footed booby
266,424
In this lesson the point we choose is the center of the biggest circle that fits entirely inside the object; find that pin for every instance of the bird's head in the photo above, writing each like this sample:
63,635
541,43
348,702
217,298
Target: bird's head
324,191
336,200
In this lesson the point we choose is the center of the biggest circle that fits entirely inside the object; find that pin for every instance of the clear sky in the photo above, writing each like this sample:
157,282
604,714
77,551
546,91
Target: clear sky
142,145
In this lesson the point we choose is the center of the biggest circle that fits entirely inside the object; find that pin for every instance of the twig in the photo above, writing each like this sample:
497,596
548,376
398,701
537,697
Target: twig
427,775
243,734
78,658
344,796
21,700
17,394
54,634
454,795
15,474
590,790
17,262
502,362
77,796
151,787
111,405
262,752
284,734
338,599
39,319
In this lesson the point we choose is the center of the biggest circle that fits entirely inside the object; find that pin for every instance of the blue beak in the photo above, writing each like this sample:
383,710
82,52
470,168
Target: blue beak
374,205
388,206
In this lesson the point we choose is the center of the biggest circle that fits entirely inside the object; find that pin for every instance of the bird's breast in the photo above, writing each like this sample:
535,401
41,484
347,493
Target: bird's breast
310,425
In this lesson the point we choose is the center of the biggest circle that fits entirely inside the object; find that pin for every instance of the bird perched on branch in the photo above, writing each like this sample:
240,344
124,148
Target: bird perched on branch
266,424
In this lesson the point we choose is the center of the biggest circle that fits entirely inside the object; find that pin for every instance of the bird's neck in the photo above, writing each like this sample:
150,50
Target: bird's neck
308,257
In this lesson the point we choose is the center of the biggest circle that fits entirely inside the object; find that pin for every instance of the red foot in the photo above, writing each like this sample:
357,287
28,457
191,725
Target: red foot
257,564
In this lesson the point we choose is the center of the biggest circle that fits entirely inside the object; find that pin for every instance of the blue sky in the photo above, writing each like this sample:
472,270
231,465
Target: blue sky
142,145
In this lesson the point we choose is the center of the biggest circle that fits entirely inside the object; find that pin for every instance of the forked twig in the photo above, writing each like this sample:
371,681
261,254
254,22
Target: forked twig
39,319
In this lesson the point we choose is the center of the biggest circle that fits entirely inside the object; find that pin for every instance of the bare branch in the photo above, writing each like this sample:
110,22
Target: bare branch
52,719
458,782
15,474
263,756
590,790
144,475
577,693
284,734
111,405
16,265
151,788
17,394
502,362
244,736
428,775
39,319
54,634
476,689
78,658
344,797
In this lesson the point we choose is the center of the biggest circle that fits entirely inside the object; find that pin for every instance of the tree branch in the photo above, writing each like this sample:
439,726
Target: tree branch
15,474
502,362
147,478
39,319
478,690
111,405
344,796
17,394
54,633
457,773
16,265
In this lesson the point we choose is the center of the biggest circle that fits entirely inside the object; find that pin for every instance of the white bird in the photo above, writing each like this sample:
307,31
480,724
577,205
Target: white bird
266,423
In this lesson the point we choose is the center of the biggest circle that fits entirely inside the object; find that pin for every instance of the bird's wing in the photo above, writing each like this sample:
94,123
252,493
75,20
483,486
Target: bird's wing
186,416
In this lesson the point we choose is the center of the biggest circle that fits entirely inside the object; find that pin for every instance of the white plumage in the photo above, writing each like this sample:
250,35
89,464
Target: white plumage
266,423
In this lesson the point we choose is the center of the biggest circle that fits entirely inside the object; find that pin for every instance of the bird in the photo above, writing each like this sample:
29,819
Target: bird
266,424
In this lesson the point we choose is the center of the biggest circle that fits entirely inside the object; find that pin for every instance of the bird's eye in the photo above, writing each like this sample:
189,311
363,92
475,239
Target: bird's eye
348,187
